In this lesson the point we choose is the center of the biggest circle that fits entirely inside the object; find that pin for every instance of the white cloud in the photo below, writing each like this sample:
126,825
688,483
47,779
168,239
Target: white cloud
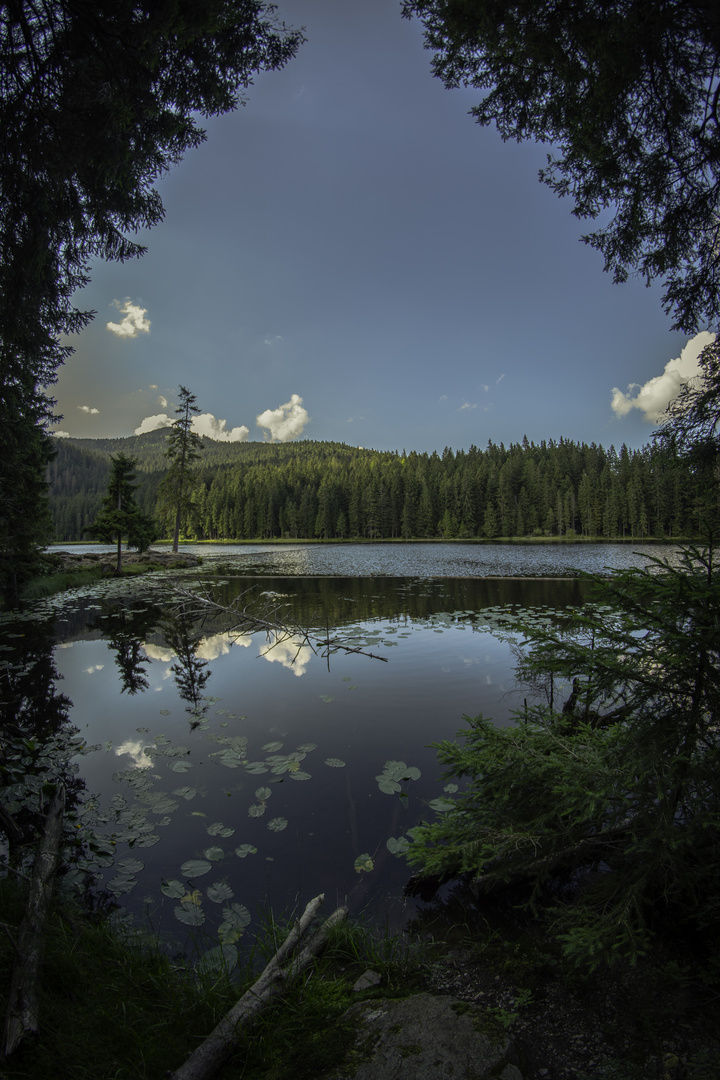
205,425
208,427
133,322
136,749
485,387
286,422
467,405
214,645
653,397
162,401
152,423
292,654
61,434
499,379
158,652
87,409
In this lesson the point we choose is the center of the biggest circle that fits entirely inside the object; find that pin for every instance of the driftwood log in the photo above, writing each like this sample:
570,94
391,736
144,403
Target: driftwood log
209,1057
21,1017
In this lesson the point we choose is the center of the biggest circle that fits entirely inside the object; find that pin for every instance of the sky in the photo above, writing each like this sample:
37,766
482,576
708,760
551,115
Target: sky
349,257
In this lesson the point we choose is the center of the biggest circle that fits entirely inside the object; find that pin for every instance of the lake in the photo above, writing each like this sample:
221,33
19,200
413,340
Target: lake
230,776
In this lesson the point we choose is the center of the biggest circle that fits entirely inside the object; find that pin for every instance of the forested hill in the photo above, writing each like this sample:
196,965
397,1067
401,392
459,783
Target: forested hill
329,490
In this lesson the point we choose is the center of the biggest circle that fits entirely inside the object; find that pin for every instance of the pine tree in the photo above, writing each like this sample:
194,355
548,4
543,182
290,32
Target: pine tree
183,448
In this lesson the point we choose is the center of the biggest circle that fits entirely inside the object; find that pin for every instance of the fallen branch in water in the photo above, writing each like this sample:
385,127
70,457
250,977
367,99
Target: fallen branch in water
250,618
214,1051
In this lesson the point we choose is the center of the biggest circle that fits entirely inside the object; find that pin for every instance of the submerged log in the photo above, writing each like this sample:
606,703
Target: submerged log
21,1018
209,1057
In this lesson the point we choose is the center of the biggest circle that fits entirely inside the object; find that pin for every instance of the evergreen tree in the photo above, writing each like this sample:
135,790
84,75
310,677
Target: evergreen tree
120,516
183,448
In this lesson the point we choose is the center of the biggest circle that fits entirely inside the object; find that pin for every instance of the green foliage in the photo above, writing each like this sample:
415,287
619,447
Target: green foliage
120,516
247,491
626,93
183,448
98,99
615,794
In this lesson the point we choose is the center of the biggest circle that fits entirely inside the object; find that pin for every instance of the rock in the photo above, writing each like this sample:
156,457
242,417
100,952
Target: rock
367,980
425,1037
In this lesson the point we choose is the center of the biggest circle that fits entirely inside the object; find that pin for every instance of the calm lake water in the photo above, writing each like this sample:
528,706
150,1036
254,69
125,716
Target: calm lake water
234,775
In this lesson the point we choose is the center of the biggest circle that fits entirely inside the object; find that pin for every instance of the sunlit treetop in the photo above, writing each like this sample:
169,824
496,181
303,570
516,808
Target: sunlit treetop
626,94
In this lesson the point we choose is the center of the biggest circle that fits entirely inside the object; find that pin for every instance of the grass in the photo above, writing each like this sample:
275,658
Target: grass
119,1009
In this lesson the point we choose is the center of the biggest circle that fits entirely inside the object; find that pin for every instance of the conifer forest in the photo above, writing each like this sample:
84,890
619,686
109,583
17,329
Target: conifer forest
323,490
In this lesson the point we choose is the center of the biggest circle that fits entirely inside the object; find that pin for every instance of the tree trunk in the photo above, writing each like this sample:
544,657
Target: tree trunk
21,1017
214,1051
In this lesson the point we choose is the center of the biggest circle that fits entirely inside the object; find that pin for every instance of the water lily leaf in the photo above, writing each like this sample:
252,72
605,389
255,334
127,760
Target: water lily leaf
397,847
256,810
412,773
177,751
255,767
237,915
441,805
245,849
277,824
173,888
121,884
335,762
186,793
131,866
220,891
450,788
181,766
148,840
229,934
388,786
164,712
263,793
218,829
195,868
189,914
214,853
298,774
306,747
364,863
221,959
327,697
271,747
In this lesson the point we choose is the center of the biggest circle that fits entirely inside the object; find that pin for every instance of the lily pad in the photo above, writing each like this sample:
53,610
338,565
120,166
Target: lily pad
263,793
186,793
277,824
271,747
218,829
214,854
219,892
335,762
219,960
364,863
237,915
256,810
195,868
244,850
397,847
189,914
173,888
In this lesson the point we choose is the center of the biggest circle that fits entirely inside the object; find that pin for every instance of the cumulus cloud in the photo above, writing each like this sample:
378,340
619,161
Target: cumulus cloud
215,645
158,652
162,401
133,321
207,426
286,422
289,652
61,434
152,423
87,409
653,397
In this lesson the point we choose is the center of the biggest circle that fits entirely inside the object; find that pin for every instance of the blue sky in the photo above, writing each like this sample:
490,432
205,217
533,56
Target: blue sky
350,257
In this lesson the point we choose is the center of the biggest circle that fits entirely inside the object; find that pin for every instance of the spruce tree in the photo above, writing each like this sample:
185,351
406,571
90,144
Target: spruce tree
183,448
120,515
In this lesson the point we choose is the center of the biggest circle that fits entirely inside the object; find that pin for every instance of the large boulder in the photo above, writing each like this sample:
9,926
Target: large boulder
425,1037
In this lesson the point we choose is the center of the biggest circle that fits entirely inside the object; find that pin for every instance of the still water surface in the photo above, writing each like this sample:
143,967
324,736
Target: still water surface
235,773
